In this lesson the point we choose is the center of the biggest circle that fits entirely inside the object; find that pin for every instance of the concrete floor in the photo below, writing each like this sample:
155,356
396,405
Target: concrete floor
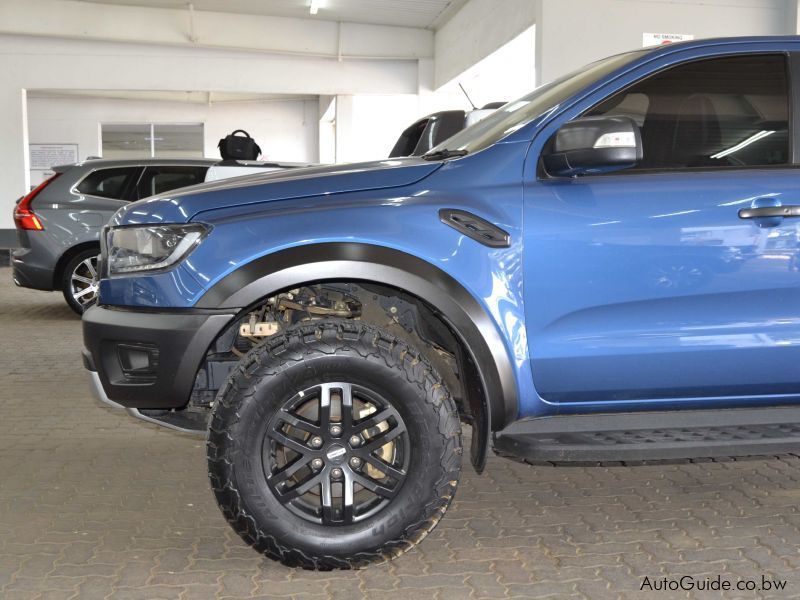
96,505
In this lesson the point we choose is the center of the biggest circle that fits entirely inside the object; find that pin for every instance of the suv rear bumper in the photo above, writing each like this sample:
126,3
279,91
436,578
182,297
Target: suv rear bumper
27,273
147,360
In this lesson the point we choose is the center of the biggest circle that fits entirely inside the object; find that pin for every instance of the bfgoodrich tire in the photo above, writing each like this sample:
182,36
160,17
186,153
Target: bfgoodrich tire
334,445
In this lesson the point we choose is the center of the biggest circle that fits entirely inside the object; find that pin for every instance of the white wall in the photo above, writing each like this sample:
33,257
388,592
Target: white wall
477,30
367,126
28,62
503,76
285,129
572,33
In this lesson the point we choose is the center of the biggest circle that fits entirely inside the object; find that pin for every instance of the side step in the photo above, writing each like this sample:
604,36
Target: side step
643,436
190,421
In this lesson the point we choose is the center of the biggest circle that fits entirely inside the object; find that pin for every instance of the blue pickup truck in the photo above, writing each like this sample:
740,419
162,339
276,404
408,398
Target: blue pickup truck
605,270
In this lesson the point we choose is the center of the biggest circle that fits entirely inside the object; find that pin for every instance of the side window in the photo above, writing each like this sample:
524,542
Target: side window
108,183
160,179
721,112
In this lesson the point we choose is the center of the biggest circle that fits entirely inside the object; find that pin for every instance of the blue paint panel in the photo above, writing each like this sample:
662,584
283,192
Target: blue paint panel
404,218
182,206
651,286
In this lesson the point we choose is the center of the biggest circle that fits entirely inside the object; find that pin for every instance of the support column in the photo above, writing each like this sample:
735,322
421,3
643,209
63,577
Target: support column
14,162
793,20
345,141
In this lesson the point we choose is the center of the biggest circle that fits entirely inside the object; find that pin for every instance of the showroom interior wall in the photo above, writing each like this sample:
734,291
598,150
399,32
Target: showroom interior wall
286,129
570,37
477,30
65,53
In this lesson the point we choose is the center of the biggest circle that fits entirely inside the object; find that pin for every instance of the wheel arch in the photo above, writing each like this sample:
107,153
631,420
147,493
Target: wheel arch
357,262
68,255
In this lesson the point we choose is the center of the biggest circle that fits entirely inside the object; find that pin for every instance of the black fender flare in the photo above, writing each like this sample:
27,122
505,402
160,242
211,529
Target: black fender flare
353,261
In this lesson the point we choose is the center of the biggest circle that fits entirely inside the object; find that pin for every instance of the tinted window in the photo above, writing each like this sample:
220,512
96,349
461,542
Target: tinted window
723,112
160,179
108,183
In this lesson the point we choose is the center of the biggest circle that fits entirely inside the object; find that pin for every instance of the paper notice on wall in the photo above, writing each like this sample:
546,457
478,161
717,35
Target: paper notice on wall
46,156
43,157
659,39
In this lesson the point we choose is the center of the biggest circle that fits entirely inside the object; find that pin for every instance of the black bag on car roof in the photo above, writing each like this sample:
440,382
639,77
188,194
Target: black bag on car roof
237,147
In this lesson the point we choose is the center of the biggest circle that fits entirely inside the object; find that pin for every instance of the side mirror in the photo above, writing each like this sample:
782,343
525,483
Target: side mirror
594,145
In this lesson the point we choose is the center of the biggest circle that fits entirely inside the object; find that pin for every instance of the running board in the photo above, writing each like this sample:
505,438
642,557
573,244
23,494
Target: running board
645,436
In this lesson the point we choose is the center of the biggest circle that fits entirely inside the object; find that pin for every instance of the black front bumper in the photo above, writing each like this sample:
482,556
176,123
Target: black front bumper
148,359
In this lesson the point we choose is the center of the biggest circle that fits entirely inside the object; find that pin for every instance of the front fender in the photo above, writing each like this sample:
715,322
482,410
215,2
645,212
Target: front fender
351,261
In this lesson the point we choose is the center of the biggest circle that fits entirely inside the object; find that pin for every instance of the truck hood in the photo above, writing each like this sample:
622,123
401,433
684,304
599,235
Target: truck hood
182,205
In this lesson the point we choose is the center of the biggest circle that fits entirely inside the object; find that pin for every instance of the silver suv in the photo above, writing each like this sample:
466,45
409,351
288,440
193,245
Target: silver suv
59,222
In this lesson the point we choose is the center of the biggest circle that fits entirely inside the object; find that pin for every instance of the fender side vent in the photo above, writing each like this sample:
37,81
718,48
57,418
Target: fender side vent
474,227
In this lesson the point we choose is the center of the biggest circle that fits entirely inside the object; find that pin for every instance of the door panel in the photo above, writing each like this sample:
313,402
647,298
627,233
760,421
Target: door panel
652,287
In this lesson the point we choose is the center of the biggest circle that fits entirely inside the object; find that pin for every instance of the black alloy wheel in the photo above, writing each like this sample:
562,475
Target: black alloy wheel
336,453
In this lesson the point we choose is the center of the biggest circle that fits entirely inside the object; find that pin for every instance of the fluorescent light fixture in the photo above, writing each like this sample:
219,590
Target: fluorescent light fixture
313,6
753,138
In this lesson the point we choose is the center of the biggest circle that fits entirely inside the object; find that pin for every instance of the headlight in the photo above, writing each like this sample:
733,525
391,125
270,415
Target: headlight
133,249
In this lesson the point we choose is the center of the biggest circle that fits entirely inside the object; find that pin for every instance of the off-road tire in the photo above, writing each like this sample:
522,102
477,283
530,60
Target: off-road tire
319,352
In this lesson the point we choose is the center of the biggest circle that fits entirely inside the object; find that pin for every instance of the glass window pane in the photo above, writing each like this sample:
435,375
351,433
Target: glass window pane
107,183
160,179
722,112
125,140
178,140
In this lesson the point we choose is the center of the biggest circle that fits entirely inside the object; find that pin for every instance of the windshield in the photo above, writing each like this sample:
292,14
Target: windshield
512,116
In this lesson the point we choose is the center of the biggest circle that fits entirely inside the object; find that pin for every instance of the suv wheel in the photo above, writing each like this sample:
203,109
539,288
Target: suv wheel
79,281
334,445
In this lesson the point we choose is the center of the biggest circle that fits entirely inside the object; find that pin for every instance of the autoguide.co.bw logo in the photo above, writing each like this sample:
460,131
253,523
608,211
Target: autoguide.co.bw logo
710,584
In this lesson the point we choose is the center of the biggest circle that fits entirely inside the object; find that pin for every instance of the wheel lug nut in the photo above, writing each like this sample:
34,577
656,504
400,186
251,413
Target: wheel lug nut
316,464
336,473
355,462
315,442
355,440
336,430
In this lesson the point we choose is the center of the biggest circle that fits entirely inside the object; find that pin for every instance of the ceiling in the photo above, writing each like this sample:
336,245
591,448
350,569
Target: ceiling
166,96
429,14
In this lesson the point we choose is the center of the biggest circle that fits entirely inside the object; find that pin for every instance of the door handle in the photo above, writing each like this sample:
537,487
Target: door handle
765,212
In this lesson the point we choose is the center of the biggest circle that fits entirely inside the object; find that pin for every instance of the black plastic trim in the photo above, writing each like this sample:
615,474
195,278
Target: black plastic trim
181,339
475,227
793,66
679,434
770,211
349,261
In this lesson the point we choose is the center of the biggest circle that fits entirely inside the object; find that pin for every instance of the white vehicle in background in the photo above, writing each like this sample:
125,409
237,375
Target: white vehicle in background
236,168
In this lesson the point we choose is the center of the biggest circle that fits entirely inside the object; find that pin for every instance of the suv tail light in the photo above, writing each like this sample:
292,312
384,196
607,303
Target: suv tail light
24,217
